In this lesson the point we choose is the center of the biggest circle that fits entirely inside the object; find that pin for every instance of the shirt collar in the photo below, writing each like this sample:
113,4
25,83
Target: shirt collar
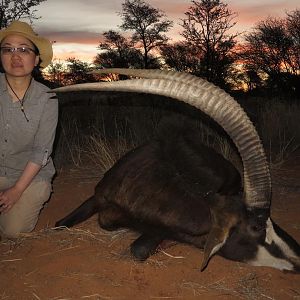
3,85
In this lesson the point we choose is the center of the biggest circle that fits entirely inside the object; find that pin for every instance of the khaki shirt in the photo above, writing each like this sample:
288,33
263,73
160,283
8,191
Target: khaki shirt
22,141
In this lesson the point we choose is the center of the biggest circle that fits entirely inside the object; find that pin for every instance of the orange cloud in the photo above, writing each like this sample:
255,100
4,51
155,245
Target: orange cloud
80,37
83,44
250,14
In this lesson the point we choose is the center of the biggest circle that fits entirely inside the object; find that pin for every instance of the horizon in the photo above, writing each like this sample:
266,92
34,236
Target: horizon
78,34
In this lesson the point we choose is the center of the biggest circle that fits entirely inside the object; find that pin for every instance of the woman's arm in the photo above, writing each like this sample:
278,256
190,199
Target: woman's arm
11,195
41,151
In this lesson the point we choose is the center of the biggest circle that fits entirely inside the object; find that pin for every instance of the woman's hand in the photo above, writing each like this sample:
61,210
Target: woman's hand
8,198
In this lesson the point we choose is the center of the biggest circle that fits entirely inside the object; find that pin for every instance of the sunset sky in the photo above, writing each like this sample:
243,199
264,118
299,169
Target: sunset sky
76,26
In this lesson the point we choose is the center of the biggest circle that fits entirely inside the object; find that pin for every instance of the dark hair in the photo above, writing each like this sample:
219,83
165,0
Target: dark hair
37,69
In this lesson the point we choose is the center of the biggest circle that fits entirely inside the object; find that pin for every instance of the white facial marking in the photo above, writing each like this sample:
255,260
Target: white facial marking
217,248
271,236
264,258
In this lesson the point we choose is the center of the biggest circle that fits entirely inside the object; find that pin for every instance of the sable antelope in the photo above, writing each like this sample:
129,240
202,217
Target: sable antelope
174,187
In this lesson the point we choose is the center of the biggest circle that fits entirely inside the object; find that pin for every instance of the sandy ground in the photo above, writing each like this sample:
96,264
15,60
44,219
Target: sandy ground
89,263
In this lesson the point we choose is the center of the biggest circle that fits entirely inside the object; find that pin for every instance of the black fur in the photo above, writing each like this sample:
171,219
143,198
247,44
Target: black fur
162,190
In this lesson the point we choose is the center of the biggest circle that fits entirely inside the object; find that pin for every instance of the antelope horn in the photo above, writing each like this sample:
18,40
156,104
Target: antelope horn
217,104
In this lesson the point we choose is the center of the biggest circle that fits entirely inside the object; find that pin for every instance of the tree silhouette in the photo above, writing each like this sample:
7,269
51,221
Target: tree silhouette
293,29
77,71
118,52
206,27
273,49
55,73
182,57
147,26
15,9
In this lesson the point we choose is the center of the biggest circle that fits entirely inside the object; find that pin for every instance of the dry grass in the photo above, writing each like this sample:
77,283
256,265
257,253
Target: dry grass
279,128
65,238
246,287
105,153
249,286
103,133
116,123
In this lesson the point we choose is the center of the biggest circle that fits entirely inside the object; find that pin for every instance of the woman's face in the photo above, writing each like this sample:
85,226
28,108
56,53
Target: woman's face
18,56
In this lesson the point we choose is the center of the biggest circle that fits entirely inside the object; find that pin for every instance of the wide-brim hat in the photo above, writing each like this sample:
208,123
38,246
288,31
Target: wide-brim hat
23,29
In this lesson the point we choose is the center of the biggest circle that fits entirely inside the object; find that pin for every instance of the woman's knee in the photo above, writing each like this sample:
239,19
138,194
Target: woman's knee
12,228
23,216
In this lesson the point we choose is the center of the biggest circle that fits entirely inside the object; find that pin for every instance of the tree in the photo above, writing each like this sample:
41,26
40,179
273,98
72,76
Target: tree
145,21
182,57
206,27
247,80
118,52
16,9
77,72
293,29
273,49
267,46
55,73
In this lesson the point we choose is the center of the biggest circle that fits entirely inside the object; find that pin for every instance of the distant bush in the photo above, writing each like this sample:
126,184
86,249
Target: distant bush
101,127
277,122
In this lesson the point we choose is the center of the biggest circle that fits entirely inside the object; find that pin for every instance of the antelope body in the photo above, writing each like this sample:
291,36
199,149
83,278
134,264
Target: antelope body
174,187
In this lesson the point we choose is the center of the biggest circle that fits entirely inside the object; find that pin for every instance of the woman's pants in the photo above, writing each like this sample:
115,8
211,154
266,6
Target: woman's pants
23,216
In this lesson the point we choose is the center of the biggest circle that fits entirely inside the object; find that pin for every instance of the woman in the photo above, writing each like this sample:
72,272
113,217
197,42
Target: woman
28,119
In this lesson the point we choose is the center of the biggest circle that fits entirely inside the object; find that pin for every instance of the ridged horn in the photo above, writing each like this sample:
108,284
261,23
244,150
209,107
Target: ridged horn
213,101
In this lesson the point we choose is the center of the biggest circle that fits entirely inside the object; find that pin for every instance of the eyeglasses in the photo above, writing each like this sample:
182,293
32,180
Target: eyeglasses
20,50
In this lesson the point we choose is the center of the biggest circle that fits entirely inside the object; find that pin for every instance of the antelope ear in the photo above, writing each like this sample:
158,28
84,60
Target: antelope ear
215,240
223,219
